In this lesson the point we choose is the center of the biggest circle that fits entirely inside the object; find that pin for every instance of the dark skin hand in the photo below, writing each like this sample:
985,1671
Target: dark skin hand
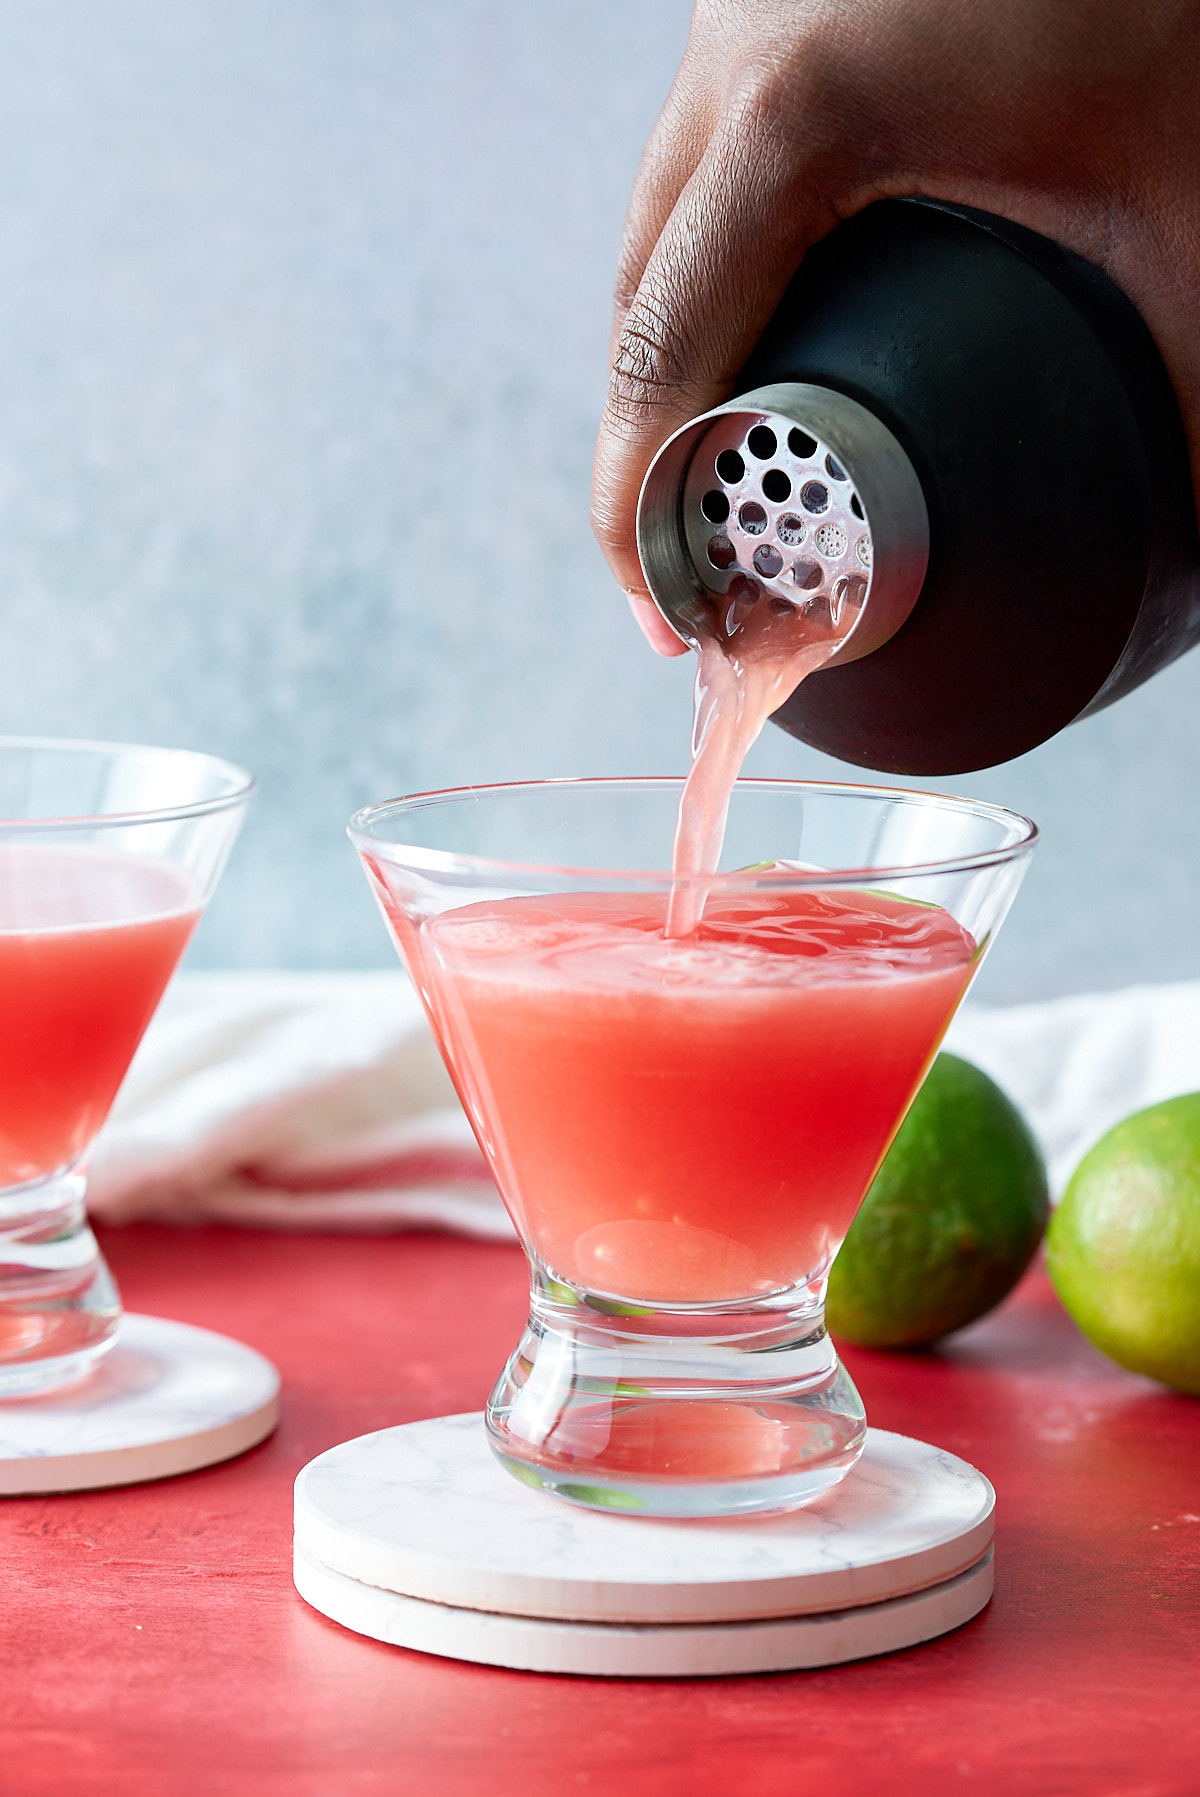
1077,118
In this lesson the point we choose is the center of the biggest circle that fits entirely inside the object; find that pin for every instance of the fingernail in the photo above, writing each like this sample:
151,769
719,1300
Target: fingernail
654,626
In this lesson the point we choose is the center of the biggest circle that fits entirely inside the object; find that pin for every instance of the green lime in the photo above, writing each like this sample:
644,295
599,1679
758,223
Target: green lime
950,1224
1124,1246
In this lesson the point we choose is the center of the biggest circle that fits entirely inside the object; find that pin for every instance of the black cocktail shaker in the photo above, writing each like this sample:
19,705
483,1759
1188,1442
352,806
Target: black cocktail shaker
966,435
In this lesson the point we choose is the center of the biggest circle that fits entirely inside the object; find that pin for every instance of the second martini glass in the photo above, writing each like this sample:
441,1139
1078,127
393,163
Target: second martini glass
108,856
682,1129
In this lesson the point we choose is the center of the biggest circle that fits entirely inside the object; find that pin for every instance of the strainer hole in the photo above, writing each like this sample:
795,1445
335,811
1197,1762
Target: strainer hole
730,467
808,575
791,530
762,442
835,469
776,486
856,505
752,518
831,541
768,560
715,506
721,552
802,445
814,497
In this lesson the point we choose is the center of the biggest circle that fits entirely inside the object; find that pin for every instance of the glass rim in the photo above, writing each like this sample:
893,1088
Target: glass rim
240,791
362,825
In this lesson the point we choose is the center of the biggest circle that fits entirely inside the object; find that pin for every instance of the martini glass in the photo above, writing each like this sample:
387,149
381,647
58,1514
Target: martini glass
108,856
682,1129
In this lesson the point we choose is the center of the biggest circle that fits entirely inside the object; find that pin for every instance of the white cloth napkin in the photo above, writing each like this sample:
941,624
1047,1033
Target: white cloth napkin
318,1101
294,1100
1075,1066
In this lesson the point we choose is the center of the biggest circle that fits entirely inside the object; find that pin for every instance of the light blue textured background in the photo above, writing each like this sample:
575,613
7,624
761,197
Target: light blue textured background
303,311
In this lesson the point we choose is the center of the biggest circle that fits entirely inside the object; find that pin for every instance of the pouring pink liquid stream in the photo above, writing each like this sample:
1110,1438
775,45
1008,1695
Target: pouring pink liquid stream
757,656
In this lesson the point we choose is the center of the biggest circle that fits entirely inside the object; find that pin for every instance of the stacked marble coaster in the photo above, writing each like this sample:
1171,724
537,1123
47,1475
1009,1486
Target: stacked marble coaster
167,1398
416,1536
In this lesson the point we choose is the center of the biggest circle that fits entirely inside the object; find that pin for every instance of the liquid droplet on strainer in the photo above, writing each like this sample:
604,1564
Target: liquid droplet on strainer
741,597
850,590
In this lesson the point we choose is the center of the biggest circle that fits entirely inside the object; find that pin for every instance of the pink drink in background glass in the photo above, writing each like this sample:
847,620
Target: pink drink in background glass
88,941
109,853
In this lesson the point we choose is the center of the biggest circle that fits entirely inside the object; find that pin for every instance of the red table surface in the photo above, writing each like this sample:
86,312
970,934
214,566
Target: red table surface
153,1642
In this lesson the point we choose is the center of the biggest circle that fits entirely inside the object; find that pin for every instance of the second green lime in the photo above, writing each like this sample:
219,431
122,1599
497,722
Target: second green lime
1124,1247
952,1220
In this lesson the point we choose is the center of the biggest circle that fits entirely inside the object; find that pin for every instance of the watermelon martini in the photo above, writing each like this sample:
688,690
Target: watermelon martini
108,855
683,1124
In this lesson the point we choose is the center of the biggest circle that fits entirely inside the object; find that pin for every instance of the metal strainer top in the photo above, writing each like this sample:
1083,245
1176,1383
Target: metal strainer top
793,494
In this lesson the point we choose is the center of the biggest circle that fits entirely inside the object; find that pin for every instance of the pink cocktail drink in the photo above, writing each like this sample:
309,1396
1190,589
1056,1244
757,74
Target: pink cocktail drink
697,1120
88,941
684,1083
108,855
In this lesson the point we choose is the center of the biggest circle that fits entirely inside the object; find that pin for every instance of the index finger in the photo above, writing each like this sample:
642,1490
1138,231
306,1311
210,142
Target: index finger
729,248
673,151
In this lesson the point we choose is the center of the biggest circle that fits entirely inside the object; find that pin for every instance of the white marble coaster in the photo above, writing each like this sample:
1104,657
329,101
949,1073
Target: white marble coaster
167,1399
425,1511
640,1650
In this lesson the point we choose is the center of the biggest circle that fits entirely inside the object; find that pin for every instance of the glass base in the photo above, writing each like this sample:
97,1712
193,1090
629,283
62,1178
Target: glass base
59,1307
676,1410
32,1378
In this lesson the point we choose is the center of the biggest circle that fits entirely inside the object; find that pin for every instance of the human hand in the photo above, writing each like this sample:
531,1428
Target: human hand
1076,118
